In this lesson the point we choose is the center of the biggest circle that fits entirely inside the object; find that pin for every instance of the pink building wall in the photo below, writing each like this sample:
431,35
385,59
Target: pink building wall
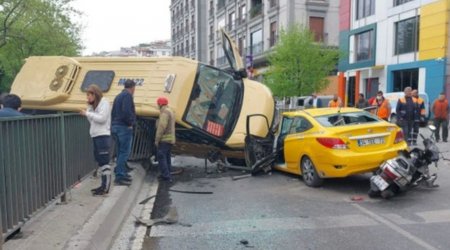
344,13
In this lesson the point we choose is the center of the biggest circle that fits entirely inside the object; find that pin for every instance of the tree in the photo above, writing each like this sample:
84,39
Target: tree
35,28
298,65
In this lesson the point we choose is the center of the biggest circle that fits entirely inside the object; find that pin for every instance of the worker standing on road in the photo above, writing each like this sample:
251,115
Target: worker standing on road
421,104
123,118
383,107
98,114
335,102
408,111
165,138
440,111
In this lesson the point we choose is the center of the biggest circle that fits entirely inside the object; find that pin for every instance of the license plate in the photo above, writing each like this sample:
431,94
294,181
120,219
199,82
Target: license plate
402,181
370,141
380,182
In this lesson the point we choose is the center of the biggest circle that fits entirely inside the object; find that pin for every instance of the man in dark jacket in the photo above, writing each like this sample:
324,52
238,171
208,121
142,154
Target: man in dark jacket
314,102
11,106
123,118
408,111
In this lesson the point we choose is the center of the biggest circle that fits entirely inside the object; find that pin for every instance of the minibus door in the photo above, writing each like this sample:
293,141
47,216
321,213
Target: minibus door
259,155
233,56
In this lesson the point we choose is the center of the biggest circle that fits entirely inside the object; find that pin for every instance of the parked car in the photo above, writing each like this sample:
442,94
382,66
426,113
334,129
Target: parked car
393,99
303,102
328,143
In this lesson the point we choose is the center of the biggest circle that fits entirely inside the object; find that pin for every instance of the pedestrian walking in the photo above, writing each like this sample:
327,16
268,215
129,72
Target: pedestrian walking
98,113
408,111
383,107
123,118
11,106
440,110
165,138
362,102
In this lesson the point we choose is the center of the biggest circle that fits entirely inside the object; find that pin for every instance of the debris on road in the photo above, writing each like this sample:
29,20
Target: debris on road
245,243
177,172
190,192
357,198
146,200
238,177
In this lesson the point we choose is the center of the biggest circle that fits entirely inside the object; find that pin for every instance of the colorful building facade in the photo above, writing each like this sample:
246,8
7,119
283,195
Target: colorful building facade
389,45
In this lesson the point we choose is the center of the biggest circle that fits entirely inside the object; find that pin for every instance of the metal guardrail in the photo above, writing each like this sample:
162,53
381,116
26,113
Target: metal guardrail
43,156
143,138
40,158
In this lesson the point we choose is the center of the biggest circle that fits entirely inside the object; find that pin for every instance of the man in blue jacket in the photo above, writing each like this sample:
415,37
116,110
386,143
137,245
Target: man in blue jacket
123,118
11,106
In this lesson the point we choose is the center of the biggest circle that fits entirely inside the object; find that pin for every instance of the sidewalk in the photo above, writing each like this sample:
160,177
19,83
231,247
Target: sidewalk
88,222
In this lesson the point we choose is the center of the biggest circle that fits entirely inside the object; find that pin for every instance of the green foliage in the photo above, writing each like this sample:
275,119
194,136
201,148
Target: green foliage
298,65
35,28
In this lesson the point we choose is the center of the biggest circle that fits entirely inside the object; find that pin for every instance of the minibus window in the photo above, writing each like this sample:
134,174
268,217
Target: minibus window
213,100
103,79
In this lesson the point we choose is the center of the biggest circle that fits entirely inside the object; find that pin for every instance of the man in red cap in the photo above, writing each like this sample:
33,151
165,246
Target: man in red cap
165,138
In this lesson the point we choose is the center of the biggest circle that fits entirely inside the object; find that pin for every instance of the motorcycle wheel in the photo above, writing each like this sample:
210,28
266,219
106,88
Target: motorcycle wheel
373,193
387,194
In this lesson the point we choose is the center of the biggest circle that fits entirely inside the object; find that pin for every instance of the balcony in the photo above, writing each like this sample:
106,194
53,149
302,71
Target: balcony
256,10
211,12
211,37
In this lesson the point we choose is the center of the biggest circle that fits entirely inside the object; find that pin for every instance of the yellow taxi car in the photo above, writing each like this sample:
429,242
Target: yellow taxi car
333,142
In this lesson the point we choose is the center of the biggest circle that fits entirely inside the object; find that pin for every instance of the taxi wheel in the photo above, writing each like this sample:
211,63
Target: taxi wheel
309,173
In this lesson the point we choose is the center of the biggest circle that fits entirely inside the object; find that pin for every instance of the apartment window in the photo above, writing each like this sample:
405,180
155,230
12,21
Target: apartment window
273,3
405,78
211,57
220,4
241,45
256,8
242,14
399,2
211,8
364,8
220,22
211,33
316,25
363,45
231,18
273,33
221,60
407,36
256,43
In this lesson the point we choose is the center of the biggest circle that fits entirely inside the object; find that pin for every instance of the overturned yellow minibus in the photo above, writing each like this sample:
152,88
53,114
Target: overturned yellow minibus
211,105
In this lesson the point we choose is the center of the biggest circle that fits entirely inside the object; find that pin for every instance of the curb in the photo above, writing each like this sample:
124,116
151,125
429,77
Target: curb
101,229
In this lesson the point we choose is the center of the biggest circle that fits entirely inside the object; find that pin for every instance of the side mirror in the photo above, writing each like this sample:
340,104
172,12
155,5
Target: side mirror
432,128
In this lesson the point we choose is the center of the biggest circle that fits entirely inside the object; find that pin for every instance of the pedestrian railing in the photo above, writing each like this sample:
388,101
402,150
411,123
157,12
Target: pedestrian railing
40,158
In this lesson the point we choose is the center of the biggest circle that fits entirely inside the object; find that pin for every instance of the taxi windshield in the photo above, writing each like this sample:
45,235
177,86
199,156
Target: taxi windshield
214,101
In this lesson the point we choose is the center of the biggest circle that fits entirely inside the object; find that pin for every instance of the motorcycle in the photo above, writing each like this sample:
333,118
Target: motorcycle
407,170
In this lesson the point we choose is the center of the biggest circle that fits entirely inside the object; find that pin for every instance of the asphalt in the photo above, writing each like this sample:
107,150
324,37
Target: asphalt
88,222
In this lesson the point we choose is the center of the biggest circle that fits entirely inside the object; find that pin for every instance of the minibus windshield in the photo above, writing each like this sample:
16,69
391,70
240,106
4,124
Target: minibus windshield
212,105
